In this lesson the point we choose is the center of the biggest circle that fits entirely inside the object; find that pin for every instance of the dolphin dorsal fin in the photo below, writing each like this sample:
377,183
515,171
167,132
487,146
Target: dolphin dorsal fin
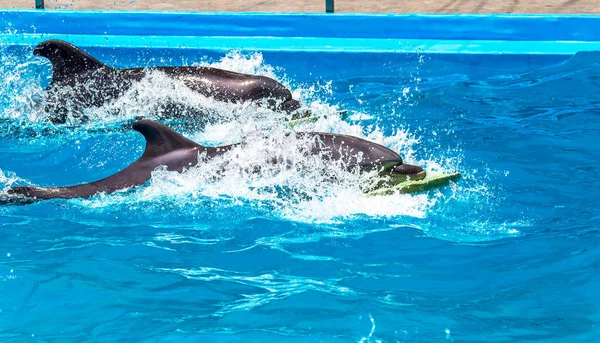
160,139
66,58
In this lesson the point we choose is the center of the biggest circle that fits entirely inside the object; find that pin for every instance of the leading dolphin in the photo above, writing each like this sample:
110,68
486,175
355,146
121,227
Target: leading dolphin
165,147
80,81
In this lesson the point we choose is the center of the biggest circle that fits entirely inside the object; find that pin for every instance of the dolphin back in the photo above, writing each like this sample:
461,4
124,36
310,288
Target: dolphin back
164,147
353,151
67,60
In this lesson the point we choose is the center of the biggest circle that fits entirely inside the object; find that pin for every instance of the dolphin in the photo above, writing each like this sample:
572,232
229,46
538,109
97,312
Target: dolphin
81,81
167,148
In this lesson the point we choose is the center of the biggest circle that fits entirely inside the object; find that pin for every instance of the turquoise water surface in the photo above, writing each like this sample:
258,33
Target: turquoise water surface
510,253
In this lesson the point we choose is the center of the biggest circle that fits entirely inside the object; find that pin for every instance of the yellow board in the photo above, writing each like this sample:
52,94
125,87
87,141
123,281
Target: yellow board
433,181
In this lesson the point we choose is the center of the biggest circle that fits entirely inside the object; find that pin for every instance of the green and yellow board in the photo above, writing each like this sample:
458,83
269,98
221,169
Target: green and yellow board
430,182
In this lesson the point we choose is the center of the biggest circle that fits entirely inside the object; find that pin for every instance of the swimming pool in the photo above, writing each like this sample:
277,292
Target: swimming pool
510,253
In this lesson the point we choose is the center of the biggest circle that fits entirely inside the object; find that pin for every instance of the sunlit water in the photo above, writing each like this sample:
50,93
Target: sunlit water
510,253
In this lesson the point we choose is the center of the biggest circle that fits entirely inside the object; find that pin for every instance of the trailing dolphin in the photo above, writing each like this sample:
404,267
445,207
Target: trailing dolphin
80,81
167,148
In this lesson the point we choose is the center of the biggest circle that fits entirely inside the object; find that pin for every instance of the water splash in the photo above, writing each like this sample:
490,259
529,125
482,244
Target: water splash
7,179
245,63
287,193
301,187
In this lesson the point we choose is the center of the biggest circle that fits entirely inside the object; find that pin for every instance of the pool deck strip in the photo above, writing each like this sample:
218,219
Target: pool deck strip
379,6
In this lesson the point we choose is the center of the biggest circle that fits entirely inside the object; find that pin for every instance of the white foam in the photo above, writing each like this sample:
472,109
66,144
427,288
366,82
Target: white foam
7,179
20,95
302,190
239,62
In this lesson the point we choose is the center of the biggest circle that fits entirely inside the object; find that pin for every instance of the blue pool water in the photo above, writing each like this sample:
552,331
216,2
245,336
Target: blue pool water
510,253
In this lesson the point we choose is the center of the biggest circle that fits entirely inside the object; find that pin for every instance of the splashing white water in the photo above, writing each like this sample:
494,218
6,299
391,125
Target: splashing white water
19,96
22,95
239,62
300,187
149,97
303,190
7,179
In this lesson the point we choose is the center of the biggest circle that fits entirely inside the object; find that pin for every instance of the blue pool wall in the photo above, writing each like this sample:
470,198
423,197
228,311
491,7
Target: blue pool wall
489,34
310,39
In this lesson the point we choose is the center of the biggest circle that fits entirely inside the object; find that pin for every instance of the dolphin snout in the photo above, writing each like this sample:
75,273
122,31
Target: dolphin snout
411,172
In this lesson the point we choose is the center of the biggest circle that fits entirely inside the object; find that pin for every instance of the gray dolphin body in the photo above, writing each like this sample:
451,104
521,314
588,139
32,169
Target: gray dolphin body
80,81
165,147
